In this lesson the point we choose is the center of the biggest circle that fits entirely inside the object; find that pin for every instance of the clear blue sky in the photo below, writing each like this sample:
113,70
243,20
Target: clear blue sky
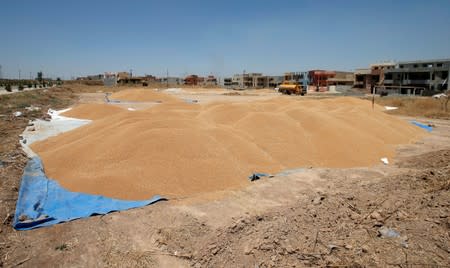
73,38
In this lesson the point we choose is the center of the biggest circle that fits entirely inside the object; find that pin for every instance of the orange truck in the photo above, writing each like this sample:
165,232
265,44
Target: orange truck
290,88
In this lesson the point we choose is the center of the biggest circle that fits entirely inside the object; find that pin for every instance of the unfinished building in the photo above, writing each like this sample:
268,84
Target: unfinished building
372,77
275,80
423,77
363,79
249,80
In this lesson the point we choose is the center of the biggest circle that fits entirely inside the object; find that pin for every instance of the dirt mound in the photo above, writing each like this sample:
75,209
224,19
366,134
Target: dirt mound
150,95
181,149
93,111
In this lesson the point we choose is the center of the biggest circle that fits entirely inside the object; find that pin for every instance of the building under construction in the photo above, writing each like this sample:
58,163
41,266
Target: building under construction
418,77
421,77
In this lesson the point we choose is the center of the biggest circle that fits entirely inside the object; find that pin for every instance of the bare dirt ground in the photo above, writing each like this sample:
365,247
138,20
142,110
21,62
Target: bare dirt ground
309,217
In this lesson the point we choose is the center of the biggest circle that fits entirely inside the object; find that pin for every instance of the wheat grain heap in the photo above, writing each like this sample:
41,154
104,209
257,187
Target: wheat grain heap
180,149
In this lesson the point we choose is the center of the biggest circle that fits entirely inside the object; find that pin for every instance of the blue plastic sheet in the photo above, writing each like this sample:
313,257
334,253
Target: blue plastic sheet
427,128
43,202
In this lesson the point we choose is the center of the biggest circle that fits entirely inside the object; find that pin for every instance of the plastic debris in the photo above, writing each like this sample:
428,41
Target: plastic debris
44,202
17,114
388,232
426,127
131,109
32,108
384,160
390,108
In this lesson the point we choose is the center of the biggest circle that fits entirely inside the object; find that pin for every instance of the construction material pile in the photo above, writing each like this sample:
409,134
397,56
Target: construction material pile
178,149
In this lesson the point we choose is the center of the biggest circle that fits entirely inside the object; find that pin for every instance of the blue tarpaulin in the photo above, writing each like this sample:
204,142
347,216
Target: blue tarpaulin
43,202
426,127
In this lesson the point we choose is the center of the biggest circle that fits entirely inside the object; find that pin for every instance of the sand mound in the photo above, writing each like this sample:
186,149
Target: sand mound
149,95
93,111
180,149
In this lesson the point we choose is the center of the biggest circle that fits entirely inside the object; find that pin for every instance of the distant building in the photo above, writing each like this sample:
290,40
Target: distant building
319,79
110,79
94,77
149,78
211,80
114,78
421,77
275,80
373,76
417,77
342,79
363,79
250,80
242,80
123,77
191,80
171,80
228,82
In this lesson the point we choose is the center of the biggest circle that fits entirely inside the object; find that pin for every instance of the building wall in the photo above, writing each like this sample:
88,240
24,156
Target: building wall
275,81
431,76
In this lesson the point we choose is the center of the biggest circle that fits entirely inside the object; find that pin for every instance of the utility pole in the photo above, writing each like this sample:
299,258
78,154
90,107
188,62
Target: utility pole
167,78
1,74
19,74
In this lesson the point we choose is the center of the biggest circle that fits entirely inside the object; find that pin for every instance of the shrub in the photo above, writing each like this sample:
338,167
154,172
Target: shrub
20,87
30,85
8,87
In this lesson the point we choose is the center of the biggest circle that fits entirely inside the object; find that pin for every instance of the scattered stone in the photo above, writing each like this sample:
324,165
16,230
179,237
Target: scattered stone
365,249
378,224
215,251
332,247
318,200
248,250
377,216
266,246
23,217
290,249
